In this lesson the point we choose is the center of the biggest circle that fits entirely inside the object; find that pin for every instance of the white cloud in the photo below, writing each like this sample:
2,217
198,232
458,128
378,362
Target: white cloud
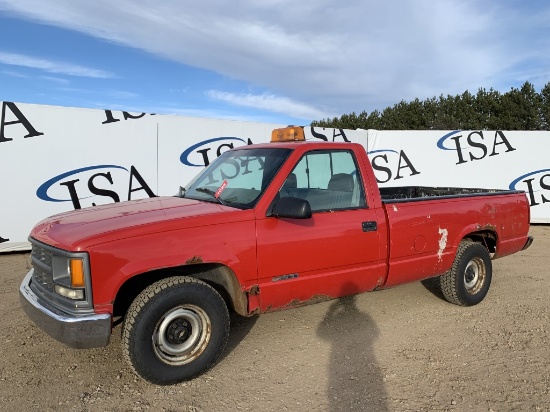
14,74
57,80
51,66
115,94
170,109
271,103
121,94
353,55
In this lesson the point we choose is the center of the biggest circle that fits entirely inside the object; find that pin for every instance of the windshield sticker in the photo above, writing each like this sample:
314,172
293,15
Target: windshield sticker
221,189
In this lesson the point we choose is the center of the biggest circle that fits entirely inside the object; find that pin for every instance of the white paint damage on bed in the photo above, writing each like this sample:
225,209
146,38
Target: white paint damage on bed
442,242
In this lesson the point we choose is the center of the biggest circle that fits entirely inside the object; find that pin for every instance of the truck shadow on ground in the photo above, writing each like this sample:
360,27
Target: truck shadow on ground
432,285
240,328
355,380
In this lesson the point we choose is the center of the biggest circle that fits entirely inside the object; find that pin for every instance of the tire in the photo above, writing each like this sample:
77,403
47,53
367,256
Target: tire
468,280
175,330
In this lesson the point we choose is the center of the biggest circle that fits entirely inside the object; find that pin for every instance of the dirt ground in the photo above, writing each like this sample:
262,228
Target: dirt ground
402,349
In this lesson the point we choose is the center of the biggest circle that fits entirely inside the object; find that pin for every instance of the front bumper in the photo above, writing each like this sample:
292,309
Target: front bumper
79,332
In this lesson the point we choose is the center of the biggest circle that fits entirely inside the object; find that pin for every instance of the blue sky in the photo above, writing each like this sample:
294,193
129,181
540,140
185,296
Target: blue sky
271,61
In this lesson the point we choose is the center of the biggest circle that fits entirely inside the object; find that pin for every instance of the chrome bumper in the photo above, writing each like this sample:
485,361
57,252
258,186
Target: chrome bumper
79,332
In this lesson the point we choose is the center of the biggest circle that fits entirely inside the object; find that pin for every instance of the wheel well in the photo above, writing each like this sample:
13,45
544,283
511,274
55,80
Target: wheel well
220,277
486,237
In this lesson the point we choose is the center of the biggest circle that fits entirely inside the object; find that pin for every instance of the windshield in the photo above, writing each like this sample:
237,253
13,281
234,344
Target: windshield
238,177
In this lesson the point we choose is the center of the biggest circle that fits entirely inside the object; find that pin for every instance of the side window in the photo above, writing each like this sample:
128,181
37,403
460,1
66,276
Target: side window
328,180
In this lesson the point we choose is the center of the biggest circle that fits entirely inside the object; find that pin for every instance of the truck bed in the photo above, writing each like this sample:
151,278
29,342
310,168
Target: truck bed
427,224
417,193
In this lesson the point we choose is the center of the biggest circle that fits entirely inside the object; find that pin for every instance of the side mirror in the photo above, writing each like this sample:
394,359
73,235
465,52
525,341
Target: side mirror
292,207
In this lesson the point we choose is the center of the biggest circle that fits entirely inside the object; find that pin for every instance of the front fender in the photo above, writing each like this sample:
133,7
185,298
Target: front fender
232,245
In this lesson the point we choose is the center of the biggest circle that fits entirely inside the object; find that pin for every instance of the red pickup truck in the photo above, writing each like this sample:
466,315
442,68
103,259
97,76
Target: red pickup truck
264,227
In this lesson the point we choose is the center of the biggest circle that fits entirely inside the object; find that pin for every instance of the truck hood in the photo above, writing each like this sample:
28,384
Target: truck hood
78,229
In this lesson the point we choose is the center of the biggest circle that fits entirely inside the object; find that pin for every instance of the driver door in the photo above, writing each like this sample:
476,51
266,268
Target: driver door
332,254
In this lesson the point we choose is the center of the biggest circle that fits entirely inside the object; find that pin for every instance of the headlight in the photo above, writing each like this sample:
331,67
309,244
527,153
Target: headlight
75,294
69,277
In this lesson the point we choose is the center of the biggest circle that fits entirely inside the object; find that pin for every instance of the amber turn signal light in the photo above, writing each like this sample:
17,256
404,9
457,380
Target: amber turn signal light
77,273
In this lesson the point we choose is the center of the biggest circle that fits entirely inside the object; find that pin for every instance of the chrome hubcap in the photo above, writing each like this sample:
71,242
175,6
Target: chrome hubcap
474,276
182,334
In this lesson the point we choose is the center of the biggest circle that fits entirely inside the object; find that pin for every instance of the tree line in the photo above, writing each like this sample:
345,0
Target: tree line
517,109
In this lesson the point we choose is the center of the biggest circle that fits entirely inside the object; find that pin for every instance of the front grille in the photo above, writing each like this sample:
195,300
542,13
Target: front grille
39,254
43,279
45,261
41,260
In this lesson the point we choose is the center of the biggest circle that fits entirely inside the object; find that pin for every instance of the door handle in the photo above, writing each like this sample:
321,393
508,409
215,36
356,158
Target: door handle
369,226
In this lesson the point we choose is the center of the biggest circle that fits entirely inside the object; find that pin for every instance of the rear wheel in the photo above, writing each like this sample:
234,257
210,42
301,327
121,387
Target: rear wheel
467,282
175,330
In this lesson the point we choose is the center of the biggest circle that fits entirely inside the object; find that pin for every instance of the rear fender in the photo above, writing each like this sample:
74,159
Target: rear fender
487,238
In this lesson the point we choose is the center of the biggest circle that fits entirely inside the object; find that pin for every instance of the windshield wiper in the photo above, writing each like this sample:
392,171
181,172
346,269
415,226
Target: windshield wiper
211,193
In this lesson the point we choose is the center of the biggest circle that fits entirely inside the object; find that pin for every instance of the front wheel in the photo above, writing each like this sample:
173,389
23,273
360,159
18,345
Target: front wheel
175,330
467,282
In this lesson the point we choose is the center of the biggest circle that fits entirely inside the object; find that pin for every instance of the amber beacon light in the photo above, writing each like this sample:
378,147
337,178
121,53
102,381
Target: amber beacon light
288,134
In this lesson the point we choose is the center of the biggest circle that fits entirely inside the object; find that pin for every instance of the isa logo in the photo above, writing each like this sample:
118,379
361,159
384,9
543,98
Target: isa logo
473,146
391,164
536,184
92,185
202,153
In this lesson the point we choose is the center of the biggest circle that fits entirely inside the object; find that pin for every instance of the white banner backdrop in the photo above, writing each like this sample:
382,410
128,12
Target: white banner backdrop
475,159
56,159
